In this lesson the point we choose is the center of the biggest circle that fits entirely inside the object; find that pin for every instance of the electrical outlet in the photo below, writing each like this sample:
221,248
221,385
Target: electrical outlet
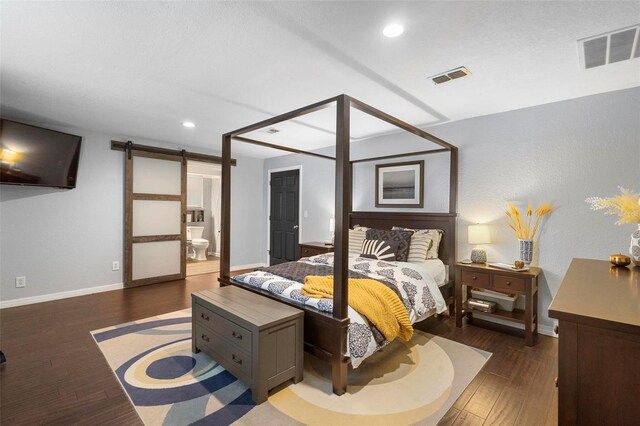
115,265
21,282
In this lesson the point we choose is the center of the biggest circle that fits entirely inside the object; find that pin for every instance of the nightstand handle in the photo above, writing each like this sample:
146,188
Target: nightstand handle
474,278
235,359
508,283
236,335
204,317
205,338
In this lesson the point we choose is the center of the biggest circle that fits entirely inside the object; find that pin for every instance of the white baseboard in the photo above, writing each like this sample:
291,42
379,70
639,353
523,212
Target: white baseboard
56,296
546,330
249,266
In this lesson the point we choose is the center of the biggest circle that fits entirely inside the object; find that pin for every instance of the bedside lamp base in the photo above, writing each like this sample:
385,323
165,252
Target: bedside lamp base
478,256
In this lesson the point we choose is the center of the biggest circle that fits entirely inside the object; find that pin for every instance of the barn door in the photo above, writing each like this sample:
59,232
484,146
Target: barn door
283,217
155,207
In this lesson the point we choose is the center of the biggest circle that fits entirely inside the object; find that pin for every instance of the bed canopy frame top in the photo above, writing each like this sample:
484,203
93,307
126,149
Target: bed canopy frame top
325,335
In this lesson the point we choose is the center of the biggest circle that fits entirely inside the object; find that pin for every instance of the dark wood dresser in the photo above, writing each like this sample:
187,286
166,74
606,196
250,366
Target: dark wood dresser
314,248
598,308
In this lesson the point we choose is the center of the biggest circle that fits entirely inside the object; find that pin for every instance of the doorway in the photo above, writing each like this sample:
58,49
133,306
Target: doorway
203,214
284,216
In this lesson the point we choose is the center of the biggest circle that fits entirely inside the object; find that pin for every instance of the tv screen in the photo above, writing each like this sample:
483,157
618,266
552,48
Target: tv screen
35,156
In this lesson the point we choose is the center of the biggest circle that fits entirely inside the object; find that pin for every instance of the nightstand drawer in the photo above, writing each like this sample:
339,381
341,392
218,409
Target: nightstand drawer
480,279
505,282
306,252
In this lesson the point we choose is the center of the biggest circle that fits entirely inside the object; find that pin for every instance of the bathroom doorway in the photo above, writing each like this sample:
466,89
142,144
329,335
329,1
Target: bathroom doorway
203,217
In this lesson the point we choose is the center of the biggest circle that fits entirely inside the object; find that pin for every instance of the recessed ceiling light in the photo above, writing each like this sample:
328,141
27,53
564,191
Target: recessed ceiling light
188,124
393,30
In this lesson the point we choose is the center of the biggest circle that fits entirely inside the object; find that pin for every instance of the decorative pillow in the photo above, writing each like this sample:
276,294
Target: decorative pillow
434,234
356,237
402,238
419,248
379,249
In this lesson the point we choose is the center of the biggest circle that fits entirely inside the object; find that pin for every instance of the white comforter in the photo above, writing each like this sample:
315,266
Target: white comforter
419,291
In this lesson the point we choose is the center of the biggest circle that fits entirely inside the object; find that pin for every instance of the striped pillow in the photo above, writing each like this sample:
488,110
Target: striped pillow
356,237
420,245
378,249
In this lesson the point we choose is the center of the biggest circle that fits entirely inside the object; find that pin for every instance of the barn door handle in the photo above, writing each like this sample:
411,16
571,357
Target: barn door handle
295,226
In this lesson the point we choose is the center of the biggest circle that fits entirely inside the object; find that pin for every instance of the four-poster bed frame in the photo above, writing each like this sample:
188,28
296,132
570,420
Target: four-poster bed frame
325,334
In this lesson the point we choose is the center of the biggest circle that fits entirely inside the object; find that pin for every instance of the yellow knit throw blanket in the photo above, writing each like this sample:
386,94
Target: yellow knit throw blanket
375,301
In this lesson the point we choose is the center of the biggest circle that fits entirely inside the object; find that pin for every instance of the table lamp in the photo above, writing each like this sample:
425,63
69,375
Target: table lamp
479,234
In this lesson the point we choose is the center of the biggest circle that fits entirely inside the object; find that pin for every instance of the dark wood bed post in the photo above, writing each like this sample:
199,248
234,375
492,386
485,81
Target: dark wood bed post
339,362
225,209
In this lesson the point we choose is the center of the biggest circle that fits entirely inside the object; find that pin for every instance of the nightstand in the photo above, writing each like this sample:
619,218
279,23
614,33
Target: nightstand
503,281
314,248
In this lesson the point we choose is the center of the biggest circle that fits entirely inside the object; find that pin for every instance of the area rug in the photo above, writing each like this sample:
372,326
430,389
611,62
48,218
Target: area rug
405,383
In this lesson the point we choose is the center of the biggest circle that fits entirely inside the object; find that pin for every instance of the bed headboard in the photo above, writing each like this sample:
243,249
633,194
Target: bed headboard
385,220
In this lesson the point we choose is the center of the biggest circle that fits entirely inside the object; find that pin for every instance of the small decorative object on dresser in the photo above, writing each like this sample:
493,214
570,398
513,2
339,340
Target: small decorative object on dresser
478,234
521,224
619,259
627,207
314,248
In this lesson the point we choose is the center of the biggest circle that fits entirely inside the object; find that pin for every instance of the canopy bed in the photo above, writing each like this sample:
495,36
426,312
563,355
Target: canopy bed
325,333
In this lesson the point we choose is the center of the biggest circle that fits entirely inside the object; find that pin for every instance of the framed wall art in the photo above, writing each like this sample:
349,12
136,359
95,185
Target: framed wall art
400,184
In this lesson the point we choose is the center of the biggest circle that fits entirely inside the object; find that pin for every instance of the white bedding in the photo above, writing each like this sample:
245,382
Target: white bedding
418,289
435,268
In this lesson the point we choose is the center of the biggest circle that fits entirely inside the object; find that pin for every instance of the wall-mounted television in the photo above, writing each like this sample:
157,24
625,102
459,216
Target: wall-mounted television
34,156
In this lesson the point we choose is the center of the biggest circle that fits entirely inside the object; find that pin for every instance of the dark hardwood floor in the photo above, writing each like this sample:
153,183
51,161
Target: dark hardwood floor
56,374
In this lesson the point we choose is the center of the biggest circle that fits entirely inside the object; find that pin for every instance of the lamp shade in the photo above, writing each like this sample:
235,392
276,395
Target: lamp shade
479,234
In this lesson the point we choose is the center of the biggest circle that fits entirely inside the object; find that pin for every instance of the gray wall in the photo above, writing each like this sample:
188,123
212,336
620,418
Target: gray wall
561,152
65,240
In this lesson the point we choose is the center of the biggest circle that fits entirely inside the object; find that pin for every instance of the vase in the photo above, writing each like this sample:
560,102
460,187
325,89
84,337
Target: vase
526,251
634,248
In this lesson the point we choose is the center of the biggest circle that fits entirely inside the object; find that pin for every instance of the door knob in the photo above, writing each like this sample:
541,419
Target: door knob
295,226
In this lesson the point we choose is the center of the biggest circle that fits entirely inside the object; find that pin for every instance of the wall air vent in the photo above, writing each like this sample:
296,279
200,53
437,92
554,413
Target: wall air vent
604,49
449,75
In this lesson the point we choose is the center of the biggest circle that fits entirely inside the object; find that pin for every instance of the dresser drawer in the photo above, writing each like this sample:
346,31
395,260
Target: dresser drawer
505,282
240,336
480,279
222,351
307,251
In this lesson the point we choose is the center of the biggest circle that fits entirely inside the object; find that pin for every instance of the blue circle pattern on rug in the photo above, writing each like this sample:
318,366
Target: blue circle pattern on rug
171,367
150,397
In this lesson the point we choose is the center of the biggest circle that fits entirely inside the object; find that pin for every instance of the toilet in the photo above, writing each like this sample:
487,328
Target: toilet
195,241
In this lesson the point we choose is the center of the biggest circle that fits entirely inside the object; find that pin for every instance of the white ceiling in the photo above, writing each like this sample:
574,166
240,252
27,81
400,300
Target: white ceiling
138,69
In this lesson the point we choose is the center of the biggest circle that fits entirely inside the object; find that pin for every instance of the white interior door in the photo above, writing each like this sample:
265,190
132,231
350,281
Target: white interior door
155,207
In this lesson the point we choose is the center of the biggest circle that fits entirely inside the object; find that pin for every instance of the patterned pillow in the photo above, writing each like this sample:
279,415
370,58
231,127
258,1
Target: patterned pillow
436,237
379,249
402,238
356,237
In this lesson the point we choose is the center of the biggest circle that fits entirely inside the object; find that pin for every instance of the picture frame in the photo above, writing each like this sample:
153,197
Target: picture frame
400,184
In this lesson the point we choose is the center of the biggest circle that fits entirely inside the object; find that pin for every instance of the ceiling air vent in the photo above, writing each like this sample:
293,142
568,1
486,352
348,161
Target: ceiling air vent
450,75
615,46
271,130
